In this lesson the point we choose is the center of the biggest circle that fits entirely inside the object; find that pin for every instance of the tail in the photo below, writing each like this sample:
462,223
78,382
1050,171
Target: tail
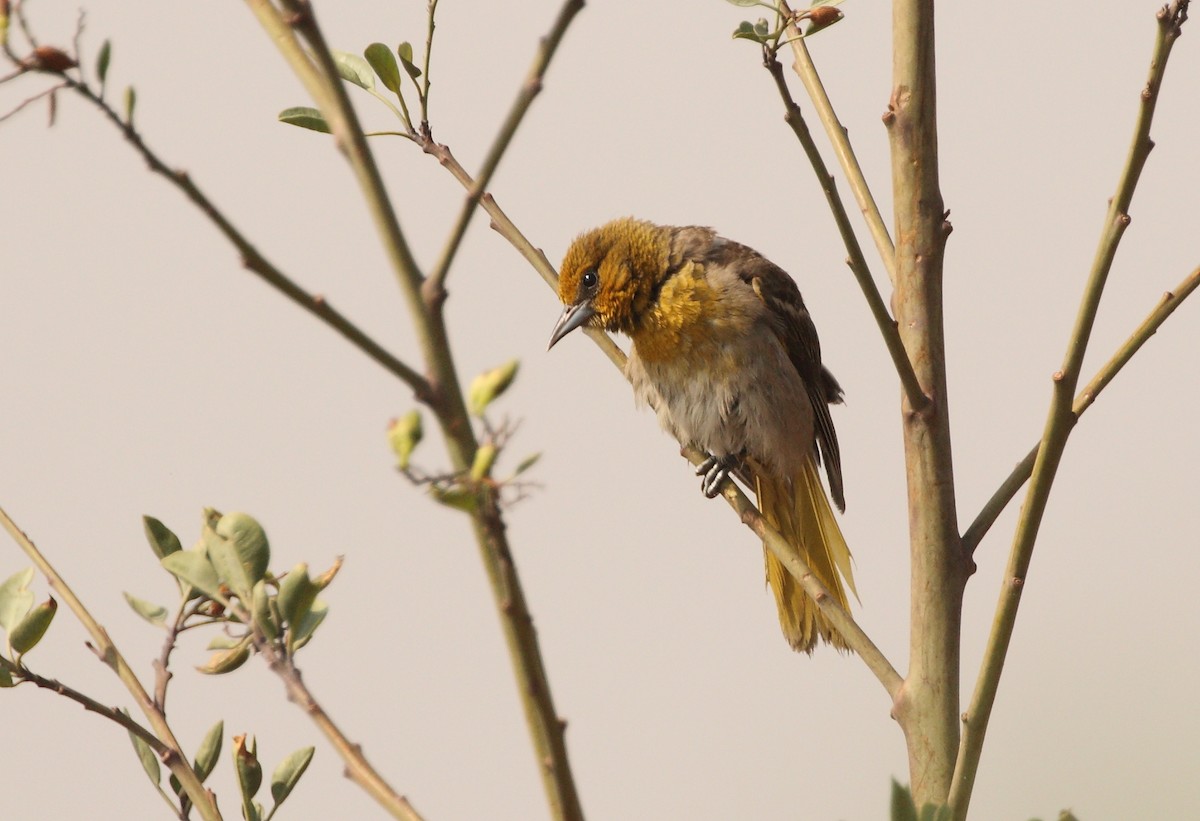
799,509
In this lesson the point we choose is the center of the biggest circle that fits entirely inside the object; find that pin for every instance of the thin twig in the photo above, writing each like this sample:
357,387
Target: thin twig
838,136
857,262
505,227
1005,493
171,753
358,769
88,703
434,288
1059,423
425,81
254,260
30,100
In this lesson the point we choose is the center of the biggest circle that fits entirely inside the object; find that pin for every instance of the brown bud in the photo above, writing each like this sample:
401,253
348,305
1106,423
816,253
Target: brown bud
823,16
49,58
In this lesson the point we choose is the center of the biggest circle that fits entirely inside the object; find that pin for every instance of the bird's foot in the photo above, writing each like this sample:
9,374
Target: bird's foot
715,471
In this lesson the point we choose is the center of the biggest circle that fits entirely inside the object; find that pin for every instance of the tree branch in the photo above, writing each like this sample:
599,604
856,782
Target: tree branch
1141,335
857,262
435,285
839,137
928,706
1059,423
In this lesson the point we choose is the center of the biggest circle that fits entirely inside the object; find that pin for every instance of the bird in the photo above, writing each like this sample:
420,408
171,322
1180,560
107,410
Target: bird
724,350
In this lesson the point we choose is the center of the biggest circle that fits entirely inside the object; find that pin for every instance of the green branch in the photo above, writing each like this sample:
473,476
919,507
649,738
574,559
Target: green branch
1059,422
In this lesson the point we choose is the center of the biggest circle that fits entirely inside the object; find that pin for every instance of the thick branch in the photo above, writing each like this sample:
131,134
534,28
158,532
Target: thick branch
928,707
1059,422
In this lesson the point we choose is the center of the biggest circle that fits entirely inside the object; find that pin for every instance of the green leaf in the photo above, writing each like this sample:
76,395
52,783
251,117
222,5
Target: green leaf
455,496
743,3
226,661
130,103
194,568
223,641
303,633
260,609
903,808
146,756
29,631
6,680
296,595
162,541
288,773
153,613
527,463
761,28
15,598
209,752
305,117
102,60
381,60
745,31
246,537
405,53
354,69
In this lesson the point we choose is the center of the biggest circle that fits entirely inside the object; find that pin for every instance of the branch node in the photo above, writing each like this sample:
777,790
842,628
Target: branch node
1058,376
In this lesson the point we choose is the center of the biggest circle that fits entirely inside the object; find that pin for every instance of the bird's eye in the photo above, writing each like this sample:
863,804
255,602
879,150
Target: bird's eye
589,280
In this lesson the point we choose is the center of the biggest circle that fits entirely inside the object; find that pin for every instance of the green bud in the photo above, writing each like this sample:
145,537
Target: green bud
245,762
489,385
404,434
296,595
485,457
29,631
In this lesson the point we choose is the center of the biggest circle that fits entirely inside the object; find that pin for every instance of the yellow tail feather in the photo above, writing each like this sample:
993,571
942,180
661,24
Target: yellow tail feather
799,509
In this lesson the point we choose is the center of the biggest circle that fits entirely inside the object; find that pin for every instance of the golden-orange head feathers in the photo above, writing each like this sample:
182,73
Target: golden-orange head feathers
608,277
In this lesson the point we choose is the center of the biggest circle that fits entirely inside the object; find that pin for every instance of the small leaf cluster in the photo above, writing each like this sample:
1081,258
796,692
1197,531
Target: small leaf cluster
820,15
225,579
378,61
461,491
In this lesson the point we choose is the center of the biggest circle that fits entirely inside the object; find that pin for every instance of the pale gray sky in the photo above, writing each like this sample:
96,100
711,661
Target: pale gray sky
147,372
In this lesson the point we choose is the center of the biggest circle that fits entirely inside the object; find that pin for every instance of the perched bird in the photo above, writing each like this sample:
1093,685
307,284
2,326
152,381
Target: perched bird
726,353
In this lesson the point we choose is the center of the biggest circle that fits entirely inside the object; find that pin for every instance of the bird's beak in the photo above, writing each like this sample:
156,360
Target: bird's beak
572,317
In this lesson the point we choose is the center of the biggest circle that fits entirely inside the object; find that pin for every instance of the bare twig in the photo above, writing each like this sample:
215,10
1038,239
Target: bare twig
857,262
30,100
840,139
1005,493
434,288
252,258
1059,423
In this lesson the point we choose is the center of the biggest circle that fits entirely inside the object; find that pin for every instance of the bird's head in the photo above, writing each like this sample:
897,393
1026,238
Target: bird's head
609,276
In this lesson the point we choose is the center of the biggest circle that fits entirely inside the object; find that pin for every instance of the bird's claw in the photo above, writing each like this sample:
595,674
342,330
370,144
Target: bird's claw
715,471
